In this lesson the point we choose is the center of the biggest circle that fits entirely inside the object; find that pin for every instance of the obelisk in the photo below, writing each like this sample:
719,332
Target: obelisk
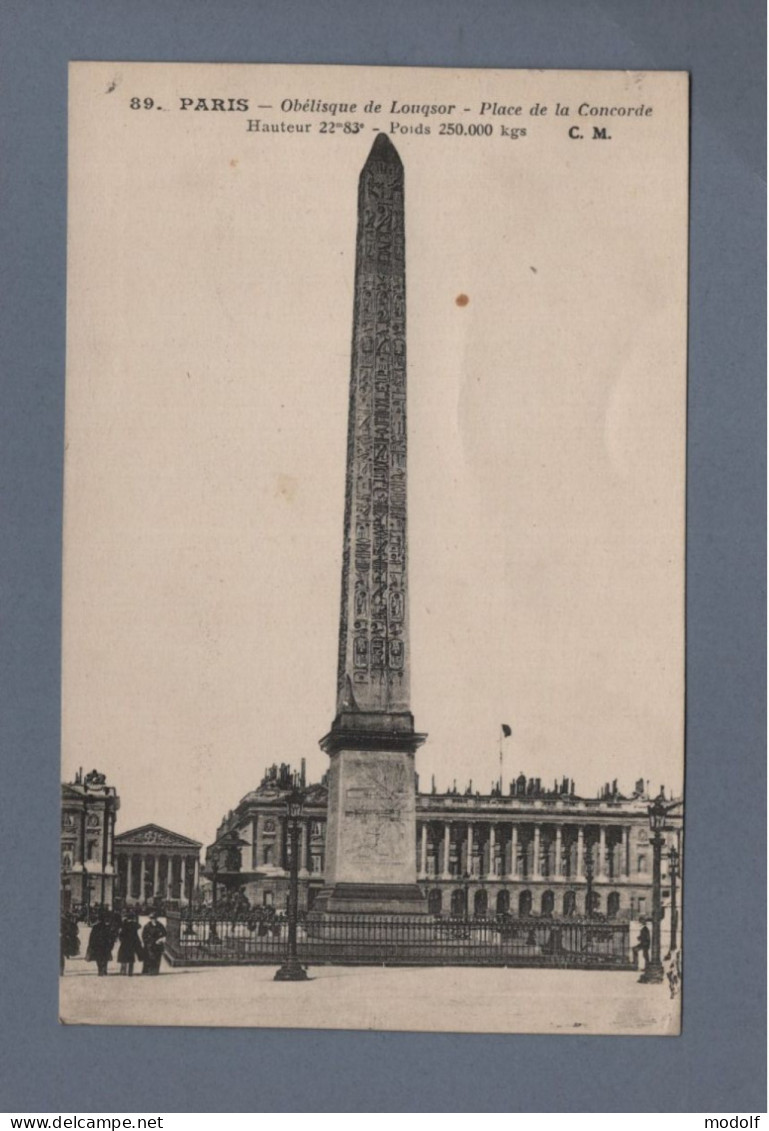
370,861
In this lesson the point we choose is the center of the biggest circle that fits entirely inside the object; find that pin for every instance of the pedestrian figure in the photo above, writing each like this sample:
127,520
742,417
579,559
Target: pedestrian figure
643,944
130,945
100,945
674,973
70,940
152,938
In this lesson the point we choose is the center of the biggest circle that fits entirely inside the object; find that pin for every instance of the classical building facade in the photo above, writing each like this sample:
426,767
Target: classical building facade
252,847
531,850
88,810
154,863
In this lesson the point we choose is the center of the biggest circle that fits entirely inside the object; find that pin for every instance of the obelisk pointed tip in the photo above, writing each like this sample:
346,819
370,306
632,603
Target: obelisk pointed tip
384,150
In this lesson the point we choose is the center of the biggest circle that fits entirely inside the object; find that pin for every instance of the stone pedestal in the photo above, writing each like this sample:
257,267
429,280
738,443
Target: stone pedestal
371,827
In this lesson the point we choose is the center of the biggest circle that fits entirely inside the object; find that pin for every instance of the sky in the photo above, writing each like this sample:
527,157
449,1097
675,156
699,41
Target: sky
209,320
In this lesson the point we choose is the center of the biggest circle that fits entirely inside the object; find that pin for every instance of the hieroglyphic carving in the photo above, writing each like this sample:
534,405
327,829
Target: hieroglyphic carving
373,637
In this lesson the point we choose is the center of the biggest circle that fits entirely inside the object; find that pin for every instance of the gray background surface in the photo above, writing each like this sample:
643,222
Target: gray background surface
719,1062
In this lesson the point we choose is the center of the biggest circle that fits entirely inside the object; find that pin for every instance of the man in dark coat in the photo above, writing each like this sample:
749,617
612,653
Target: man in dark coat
130,944
152,939
100,944
70,940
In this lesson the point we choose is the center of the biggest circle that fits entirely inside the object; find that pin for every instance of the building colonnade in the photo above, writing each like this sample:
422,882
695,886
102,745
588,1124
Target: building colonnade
447,849
162,875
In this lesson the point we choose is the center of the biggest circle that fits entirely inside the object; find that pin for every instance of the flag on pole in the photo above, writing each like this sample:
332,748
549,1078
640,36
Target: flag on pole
505,732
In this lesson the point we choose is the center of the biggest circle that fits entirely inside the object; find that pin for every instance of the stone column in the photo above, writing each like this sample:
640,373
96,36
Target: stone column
129,876
513,851
580,853
423,851
169,876
80,842
254,857
492,848
156,876
469,849
183,878
626,850
446,849
196,874
142,876
104,853
558,870
258,844
601,870
536,869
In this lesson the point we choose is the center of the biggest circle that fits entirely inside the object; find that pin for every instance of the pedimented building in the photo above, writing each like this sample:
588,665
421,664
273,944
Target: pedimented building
154,863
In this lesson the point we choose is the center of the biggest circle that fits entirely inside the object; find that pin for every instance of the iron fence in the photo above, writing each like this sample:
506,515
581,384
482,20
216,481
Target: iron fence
352,940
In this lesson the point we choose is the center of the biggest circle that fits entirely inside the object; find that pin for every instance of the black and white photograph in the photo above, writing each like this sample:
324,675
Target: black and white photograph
374,549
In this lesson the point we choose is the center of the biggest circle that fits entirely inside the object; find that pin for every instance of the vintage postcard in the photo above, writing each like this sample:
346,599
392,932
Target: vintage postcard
373,641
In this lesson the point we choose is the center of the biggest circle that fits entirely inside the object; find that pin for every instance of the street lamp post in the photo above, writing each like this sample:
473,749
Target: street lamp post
654,971
673,862
214,880
292,970
213,934
191,886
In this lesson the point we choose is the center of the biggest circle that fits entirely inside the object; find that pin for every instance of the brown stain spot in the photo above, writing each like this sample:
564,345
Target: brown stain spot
234,163
462,300
286,487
